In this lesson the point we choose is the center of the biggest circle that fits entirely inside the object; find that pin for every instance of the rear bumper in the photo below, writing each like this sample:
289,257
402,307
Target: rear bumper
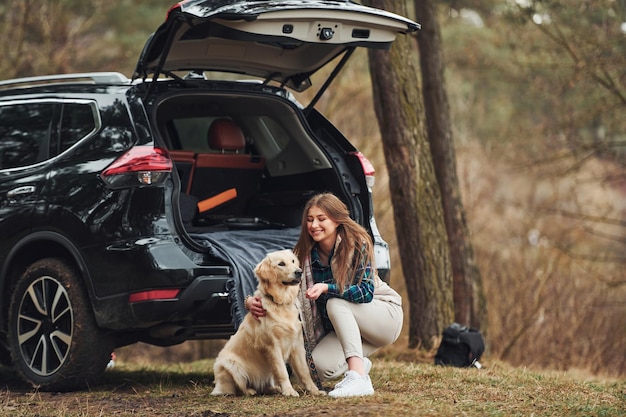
203,304
198,301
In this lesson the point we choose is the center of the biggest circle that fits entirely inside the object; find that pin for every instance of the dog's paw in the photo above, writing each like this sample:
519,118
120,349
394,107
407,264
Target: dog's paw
290,393
318,392
217,393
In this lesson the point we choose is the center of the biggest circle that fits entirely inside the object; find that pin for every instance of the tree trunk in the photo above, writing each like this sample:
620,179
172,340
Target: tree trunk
469,301
417,209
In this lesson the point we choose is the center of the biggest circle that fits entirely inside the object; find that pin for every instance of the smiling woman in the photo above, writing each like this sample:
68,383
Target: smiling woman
348,311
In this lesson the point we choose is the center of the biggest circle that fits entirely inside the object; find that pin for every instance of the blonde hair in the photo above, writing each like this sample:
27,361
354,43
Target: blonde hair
356,246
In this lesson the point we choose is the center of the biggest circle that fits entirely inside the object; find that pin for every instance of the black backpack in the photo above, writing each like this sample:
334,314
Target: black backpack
461,346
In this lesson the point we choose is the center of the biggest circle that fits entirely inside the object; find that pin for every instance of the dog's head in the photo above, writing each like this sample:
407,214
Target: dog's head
279,274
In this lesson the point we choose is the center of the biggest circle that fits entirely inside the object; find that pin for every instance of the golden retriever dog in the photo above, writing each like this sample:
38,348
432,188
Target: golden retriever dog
253,361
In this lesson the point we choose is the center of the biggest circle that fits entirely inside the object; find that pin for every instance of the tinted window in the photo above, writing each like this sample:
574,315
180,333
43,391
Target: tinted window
77,121
24,133
191,133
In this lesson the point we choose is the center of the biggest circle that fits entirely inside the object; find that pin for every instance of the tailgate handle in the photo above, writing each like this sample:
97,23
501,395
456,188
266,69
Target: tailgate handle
21,191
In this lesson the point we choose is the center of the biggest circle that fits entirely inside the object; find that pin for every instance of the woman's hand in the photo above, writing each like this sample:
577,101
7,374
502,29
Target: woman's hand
316,290
254,306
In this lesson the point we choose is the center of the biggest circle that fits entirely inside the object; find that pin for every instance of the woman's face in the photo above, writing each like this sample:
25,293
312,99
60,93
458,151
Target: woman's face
321,227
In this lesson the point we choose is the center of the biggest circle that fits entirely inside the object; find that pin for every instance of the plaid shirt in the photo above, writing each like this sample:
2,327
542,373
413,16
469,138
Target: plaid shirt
362,292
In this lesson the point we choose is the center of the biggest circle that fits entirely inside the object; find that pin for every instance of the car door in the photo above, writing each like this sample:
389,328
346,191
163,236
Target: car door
25,128
282,41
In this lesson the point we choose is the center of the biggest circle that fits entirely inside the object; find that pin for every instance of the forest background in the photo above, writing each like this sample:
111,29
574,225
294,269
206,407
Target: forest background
537,92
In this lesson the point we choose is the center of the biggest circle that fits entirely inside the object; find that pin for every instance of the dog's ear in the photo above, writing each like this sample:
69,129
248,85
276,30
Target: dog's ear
264,270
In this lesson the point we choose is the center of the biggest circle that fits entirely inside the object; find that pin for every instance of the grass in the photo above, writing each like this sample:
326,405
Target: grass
402,389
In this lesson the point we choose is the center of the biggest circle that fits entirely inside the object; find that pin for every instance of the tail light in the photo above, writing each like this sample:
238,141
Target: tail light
152,295
368,169
140,166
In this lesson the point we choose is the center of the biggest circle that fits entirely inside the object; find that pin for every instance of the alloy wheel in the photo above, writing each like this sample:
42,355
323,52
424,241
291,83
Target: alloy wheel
45,326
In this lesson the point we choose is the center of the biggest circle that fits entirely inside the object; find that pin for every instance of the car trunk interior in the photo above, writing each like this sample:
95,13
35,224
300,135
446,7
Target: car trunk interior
245,160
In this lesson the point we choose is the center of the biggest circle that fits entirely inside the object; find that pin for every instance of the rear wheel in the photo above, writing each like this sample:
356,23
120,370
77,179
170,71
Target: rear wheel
53,337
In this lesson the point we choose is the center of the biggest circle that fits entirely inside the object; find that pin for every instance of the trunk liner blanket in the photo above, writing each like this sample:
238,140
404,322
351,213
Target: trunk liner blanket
244,249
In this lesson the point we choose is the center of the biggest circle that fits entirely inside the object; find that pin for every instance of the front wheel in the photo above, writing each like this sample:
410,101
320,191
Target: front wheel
54,340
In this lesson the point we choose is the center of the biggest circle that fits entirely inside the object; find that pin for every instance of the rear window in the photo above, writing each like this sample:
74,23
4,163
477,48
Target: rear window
191,133
29,132
77,121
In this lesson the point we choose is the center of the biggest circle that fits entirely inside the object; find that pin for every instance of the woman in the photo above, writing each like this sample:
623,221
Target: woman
359,312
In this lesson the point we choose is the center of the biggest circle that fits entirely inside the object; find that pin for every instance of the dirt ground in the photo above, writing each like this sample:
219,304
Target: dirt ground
406,387
159,382
150,393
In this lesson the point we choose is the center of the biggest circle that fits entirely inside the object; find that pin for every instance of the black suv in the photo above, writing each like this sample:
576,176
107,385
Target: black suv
135,210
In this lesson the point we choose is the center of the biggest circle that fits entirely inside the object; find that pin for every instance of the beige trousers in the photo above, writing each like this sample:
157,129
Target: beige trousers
360,329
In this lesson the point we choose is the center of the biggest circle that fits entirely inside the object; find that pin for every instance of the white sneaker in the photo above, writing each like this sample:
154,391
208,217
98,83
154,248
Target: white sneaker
367,364
353,385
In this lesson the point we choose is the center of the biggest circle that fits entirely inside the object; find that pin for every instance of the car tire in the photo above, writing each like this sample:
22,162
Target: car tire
53,337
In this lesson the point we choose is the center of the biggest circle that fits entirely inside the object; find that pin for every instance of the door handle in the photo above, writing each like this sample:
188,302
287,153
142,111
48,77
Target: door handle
21,191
